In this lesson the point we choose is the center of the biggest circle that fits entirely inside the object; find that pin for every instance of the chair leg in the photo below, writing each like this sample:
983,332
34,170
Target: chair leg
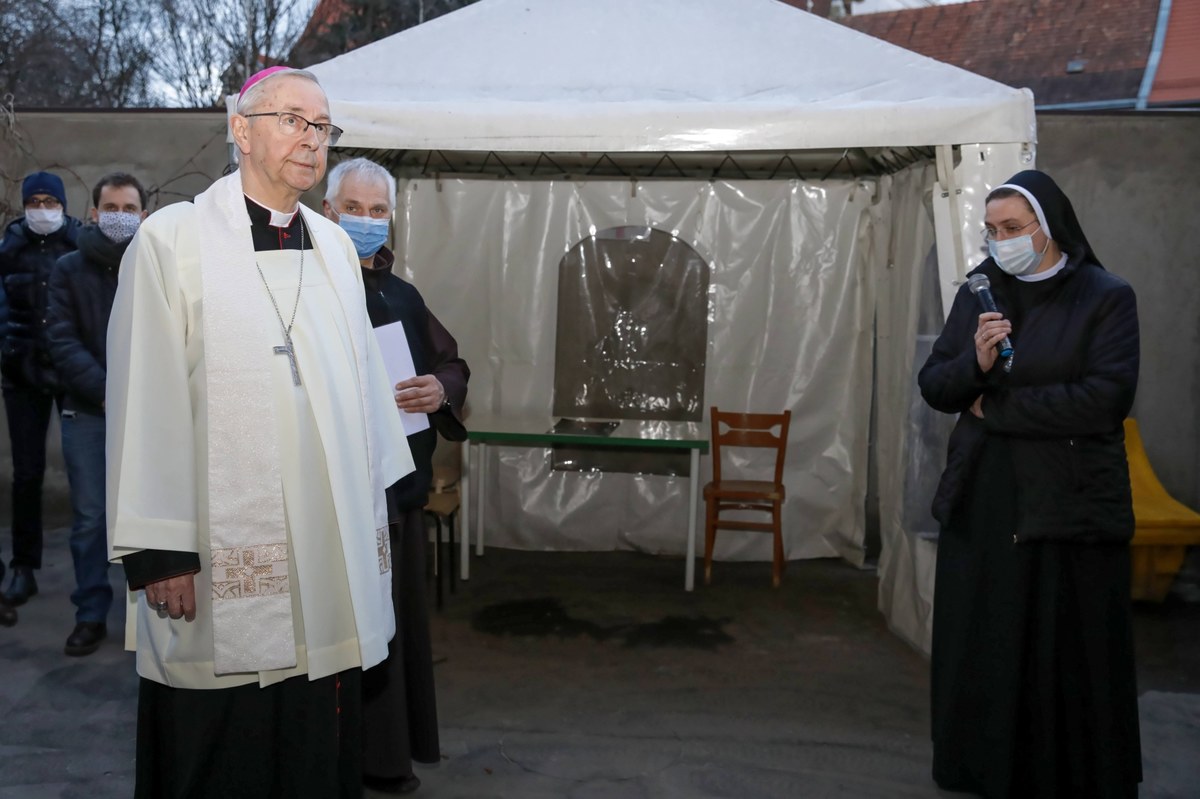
431,564
450,551
777,565
710,537
438,575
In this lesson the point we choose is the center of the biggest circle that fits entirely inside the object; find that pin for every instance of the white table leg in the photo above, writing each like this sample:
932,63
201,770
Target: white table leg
482,494
464,499
689,579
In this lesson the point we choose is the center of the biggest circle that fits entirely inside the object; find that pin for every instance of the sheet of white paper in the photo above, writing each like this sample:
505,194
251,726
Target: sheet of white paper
398,360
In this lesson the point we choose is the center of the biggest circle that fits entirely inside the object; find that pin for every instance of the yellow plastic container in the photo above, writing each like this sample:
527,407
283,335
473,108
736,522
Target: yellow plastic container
1165,527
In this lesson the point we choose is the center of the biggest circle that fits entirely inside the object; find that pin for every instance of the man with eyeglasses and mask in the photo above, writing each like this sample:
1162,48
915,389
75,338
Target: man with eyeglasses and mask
251,434
400,705
28,251
82,287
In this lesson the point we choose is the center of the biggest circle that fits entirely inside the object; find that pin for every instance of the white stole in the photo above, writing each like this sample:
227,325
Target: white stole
251,606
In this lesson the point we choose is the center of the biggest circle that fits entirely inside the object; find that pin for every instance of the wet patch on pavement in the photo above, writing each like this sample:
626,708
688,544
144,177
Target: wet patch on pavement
546,617
681,632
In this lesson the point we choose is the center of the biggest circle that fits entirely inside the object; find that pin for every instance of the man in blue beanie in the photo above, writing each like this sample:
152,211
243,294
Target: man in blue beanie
31,245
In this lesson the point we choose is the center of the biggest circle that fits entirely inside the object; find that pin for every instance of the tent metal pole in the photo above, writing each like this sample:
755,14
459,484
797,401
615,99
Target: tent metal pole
951,259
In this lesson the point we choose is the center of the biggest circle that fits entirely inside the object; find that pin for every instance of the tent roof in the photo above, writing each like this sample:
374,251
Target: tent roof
653,76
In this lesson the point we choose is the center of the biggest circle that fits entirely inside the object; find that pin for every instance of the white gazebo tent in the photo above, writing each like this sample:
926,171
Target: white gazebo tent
818,171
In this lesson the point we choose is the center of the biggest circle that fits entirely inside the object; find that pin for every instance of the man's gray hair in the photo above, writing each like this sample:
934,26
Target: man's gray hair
248,102
363,169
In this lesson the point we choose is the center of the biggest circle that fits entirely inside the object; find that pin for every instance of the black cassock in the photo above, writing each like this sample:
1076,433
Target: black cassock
399,701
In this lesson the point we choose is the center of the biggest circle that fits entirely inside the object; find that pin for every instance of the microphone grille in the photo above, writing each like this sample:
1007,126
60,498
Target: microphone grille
977,283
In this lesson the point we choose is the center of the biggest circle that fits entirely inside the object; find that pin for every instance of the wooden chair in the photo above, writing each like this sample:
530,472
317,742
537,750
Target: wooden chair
1164,527
442,506
766,496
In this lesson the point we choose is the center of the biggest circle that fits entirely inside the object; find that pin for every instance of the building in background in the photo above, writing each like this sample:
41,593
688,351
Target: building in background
1082,55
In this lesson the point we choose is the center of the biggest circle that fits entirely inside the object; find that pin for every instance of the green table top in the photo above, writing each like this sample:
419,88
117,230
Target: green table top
539,430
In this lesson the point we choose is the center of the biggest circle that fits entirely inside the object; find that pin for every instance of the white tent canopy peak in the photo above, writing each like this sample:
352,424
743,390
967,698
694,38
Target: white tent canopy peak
667,75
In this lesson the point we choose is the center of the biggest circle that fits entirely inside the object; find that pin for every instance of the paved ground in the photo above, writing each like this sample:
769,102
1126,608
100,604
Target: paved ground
589,676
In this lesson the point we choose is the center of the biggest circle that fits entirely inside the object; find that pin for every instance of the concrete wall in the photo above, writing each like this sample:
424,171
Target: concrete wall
1131,178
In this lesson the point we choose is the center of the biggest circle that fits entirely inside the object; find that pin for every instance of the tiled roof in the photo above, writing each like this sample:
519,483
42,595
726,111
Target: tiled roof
1033,43
819,7
1177,79
325,15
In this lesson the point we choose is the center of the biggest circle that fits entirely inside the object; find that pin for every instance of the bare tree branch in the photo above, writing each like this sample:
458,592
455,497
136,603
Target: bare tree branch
113,39
36,66
212,46
191,56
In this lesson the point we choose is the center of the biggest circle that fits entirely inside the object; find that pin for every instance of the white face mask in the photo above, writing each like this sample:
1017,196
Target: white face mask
44,221
118,226
1017,256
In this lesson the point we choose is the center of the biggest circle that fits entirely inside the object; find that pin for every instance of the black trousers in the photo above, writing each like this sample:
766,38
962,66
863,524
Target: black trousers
298,739
399,702
28,412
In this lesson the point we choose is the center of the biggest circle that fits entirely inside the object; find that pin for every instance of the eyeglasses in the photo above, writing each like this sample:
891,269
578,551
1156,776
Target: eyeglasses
295,126
990,233
45,202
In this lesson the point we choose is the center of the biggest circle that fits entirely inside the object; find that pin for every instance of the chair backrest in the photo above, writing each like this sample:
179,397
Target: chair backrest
749,430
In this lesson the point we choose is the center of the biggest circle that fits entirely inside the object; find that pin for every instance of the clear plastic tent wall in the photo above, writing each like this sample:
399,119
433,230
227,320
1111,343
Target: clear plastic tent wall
791,306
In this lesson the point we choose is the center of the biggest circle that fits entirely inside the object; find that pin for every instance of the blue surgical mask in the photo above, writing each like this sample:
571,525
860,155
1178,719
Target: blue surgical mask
367,234
1016,256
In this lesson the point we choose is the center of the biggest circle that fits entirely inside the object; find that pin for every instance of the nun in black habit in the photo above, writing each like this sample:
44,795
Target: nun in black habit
1033,683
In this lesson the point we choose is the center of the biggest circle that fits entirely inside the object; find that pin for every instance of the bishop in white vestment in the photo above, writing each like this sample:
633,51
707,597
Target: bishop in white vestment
252,432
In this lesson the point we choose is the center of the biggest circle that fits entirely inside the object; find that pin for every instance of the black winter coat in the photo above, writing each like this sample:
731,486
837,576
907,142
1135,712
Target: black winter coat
434,351
26,259
82,287
1060,411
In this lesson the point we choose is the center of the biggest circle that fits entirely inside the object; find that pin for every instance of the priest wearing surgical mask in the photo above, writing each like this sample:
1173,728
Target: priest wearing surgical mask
399,705
31,245
82,287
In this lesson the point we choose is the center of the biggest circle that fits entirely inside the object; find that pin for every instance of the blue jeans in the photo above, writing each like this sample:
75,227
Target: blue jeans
83,451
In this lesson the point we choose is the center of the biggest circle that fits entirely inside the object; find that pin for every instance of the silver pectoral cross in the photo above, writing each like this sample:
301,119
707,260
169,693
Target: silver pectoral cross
290,351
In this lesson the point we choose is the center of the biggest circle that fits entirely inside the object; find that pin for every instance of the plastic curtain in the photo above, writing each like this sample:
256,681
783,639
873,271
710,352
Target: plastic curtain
790,325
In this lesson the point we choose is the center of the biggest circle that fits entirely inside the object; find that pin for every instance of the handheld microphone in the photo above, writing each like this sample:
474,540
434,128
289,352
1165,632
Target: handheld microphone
981,287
